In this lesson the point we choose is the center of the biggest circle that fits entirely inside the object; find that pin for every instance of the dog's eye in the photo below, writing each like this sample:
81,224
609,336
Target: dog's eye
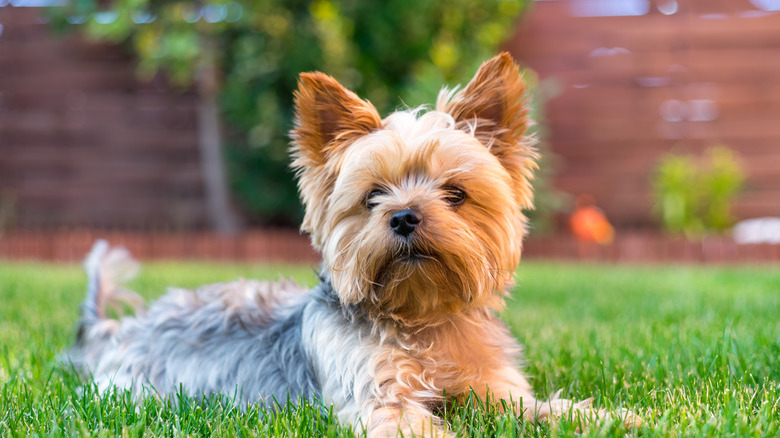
454,196
370,203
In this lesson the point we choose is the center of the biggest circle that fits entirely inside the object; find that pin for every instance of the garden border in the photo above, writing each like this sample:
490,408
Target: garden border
289,246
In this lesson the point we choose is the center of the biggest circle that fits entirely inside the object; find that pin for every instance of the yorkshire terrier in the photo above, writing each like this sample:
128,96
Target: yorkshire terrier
419,219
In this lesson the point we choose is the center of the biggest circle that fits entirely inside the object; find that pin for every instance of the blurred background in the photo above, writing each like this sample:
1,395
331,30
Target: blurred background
162,124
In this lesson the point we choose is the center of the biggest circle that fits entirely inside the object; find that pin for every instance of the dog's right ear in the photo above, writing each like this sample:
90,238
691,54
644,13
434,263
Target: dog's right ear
327,118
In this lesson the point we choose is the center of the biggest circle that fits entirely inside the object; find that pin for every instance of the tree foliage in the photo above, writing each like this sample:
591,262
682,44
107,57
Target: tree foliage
391,52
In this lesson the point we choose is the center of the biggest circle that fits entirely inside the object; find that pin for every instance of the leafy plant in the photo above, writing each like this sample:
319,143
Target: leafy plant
694,195
387,51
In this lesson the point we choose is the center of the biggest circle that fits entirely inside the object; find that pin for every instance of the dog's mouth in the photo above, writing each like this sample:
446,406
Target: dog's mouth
413,254
403,258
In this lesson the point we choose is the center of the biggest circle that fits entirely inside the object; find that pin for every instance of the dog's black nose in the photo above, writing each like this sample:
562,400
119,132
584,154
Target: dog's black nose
405,221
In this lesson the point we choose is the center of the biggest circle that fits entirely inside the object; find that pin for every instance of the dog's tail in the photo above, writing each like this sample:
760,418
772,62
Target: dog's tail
108,269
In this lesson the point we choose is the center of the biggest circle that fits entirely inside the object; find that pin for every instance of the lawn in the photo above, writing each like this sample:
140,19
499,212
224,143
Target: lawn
694,351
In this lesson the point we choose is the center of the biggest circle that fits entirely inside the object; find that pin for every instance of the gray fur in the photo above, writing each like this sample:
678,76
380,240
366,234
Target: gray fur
218,339
92,264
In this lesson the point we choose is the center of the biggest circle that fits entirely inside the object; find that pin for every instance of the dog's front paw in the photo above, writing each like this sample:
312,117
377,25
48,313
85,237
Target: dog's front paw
404,431
394,422
584,411
557,408
629,419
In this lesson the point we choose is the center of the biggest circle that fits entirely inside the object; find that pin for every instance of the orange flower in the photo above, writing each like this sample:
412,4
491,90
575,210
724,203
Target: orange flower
590,224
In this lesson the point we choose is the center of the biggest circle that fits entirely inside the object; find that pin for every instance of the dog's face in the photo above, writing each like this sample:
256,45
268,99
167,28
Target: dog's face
420,214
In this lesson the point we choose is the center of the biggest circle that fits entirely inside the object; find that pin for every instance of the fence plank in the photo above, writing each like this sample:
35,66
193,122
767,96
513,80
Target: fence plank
83,142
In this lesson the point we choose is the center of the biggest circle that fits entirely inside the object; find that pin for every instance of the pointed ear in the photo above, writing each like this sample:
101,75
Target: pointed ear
327,116
493,102
493,108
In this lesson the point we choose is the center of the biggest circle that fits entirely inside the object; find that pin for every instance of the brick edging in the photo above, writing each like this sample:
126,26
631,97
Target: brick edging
274,245
652,248
289,246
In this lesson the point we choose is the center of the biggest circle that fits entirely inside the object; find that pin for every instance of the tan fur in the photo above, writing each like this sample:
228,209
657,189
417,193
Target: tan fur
464,352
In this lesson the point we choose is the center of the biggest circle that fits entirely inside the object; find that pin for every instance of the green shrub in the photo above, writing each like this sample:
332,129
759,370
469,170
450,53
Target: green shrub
694,194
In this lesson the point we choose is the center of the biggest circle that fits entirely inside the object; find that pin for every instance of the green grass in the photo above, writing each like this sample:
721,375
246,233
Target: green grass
694,351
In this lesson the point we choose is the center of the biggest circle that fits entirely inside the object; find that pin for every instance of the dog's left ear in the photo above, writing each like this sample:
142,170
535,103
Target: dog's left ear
493,108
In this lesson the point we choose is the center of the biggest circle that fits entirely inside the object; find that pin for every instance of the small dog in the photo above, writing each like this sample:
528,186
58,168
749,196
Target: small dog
419,218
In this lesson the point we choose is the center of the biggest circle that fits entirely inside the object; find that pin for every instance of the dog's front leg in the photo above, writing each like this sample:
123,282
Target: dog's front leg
403,396
510,385
405,419
377,387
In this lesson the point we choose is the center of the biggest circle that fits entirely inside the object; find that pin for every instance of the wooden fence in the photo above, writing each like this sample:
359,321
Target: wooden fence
83,142
682,75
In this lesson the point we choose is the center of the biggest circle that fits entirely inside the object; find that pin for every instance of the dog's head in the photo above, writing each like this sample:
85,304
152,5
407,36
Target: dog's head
419,214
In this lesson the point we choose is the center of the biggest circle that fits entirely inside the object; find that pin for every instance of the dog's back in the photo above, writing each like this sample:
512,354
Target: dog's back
241,338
